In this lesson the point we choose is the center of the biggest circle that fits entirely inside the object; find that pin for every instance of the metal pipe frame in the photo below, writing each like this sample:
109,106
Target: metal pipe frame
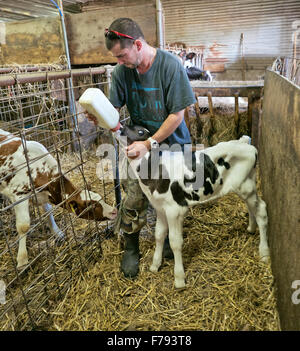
12,79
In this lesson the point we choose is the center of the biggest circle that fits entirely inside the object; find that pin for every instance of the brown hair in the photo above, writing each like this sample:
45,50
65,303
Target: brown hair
125,26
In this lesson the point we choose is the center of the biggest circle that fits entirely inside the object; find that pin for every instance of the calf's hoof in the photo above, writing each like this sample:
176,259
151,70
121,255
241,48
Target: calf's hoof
264,254
154,268
251,229
265,258
22,263
179,283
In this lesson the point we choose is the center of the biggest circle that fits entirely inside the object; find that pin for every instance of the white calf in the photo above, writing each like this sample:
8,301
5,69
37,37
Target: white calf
182,179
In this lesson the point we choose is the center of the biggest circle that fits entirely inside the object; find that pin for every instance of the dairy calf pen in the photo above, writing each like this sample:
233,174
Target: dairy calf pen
76,284
39,112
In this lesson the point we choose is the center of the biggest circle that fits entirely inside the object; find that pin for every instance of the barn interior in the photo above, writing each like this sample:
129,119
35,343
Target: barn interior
50,53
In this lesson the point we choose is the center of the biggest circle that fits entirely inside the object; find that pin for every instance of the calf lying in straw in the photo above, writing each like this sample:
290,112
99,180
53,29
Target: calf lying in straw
173,181
17,180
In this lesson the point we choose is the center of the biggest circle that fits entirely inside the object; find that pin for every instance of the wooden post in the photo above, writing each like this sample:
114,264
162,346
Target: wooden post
236,115
250,109
211,109
255,121
187,118
294,53
242,54
108,71
198,115
197,108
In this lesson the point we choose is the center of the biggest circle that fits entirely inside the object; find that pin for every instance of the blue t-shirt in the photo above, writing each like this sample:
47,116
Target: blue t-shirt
151,97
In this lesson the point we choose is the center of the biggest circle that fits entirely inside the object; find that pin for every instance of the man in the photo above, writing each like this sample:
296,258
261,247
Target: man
154,86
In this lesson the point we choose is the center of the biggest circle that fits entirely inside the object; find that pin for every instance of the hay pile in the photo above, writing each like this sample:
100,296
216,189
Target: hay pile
228,288
210,129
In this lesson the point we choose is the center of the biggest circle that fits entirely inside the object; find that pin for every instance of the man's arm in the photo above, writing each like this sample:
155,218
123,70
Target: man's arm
139,148
168,127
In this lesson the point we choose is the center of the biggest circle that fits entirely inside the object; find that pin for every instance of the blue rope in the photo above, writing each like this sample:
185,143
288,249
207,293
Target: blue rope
55,4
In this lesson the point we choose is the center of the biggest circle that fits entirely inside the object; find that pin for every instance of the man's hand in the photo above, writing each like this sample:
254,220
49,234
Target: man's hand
137,149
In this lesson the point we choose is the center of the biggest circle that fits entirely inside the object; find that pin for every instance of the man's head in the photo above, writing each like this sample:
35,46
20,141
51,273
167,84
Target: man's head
125,39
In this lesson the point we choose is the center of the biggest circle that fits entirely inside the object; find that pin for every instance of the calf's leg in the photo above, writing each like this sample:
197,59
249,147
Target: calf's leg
257,213
262,222
23,225
252,222
175,223
161,229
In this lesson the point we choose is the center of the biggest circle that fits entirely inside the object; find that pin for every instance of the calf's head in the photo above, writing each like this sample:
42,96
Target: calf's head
86,204
135,133
89,205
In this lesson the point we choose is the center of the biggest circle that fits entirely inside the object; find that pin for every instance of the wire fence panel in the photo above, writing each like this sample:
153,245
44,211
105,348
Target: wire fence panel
60,244
288,67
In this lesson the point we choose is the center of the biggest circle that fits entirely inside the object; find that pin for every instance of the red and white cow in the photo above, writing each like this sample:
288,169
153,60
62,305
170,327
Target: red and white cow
16,184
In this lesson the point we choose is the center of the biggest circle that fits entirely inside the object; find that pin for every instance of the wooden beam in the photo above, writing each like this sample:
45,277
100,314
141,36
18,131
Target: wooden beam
197,108
252,90
217,91
210,103
236,114
249,117
187,119
255,121
242,55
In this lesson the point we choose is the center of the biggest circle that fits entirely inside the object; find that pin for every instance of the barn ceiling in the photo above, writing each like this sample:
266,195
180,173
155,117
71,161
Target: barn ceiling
17,10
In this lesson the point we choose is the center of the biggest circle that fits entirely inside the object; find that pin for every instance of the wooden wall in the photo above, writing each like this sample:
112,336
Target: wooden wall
86,30
41,41
31,42
279,157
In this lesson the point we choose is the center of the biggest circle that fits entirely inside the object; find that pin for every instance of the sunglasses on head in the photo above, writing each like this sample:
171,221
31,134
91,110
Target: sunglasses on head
113,34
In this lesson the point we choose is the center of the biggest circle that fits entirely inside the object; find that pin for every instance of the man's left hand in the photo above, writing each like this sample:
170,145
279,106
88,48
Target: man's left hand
137,149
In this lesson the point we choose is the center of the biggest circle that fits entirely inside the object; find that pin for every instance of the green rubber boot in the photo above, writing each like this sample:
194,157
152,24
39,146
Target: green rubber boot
131,255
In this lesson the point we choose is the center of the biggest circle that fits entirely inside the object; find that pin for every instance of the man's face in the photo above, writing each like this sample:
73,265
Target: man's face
130,57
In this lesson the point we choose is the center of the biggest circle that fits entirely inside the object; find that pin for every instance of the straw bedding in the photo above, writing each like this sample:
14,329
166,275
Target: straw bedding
228,288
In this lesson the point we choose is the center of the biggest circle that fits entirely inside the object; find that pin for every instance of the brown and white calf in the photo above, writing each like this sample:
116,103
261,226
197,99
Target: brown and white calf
49,185
175,180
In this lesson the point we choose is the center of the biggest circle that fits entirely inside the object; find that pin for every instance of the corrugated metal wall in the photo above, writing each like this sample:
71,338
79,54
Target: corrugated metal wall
217,25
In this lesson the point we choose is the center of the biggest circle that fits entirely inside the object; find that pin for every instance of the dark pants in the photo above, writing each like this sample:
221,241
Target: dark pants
132,214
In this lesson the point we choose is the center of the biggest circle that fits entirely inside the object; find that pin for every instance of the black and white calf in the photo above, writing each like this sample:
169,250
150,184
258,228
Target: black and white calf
193,72
179,180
